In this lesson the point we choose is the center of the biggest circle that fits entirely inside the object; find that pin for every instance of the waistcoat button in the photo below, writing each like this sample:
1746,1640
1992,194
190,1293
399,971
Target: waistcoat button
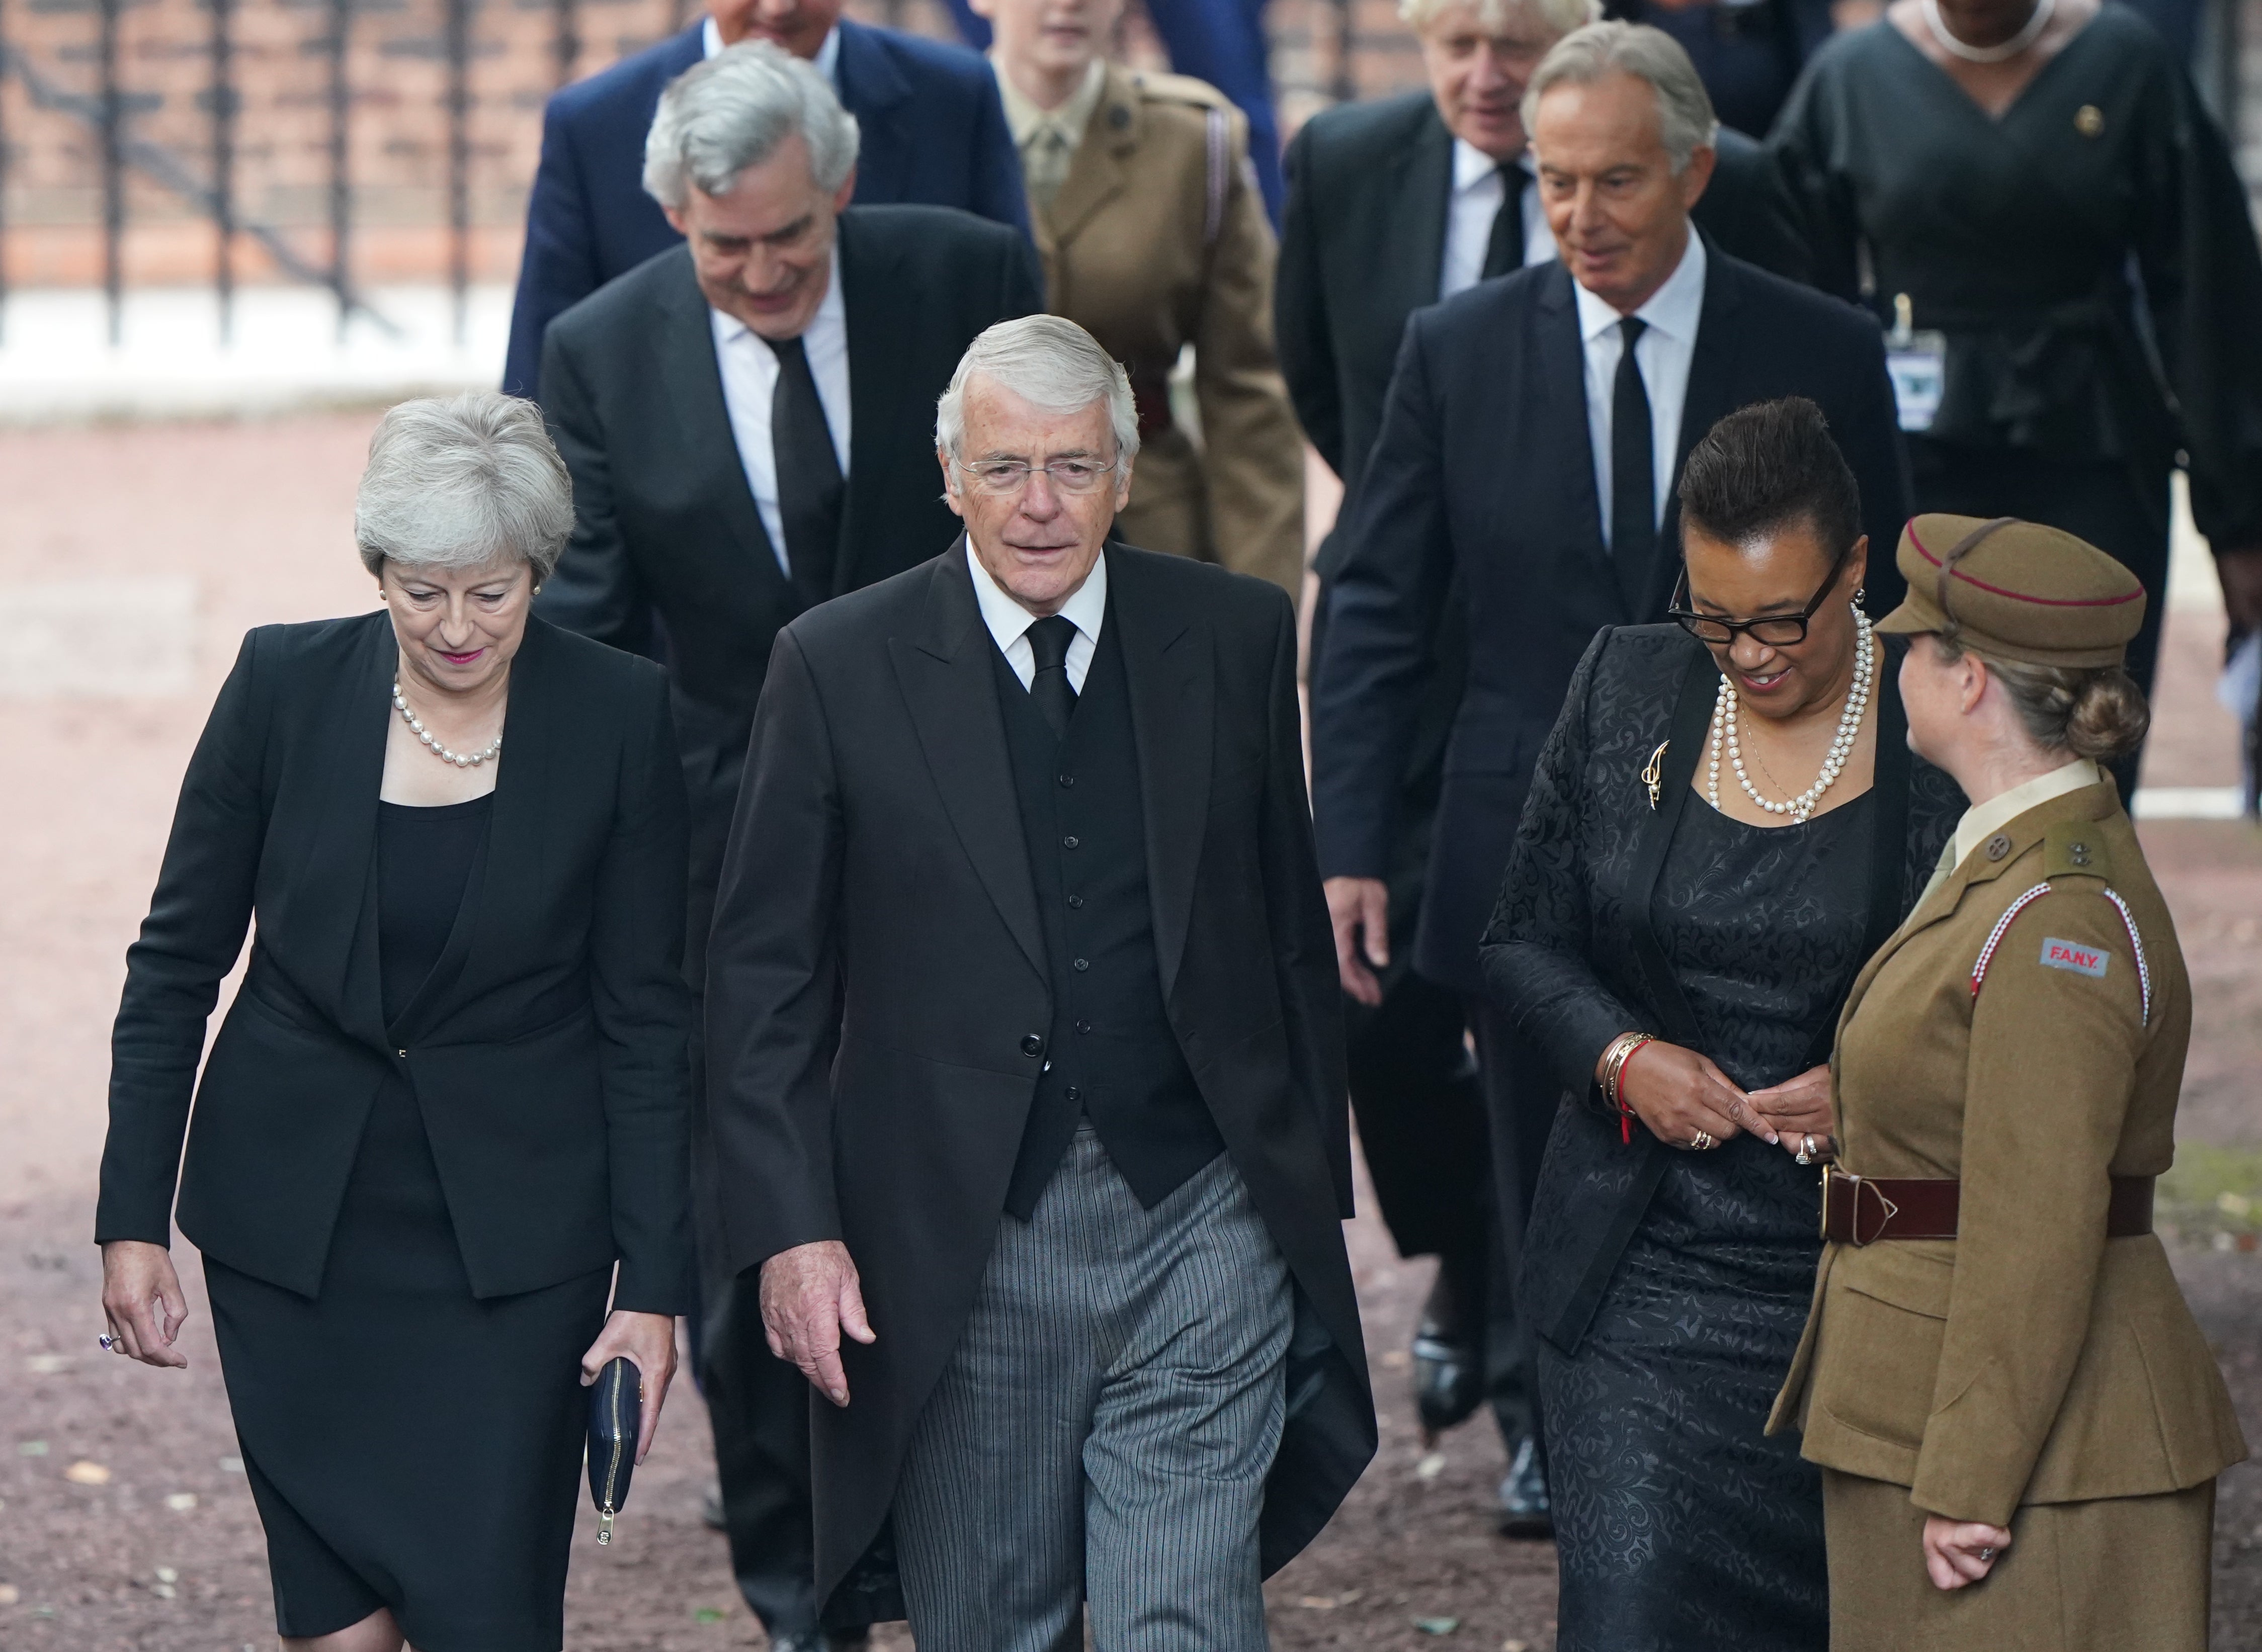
1031,1045
1067,842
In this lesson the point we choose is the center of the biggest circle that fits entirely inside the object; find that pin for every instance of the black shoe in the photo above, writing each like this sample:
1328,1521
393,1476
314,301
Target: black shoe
710,1509
1448,1367
1525,1510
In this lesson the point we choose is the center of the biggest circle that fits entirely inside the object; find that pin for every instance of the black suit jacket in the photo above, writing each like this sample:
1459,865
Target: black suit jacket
666,529
930,130
548,1052
1483,474
878,883
1362,244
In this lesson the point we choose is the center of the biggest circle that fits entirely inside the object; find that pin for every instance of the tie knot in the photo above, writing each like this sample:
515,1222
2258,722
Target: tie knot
1512,180
787,350
1048,641
1630,329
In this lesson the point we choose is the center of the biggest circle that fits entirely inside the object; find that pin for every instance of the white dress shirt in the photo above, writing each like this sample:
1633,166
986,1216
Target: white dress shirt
827,60
1470,212
1009,622
749,367
1663,354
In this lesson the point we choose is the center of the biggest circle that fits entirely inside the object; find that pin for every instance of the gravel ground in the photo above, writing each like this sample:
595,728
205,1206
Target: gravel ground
127,1521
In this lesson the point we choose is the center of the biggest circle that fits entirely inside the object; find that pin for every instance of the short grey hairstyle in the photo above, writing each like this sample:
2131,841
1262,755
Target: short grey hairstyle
1557,16
463,482
719,118
1047,360
1684,109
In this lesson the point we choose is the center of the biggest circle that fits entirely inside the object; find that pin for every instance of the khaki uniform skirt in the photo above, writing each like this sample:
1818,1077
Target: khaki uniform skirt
2118,1575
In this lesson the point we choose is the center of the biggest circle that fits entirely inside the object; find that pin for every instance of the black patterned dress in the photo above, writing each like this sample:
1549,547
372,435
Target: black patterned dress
1680,1524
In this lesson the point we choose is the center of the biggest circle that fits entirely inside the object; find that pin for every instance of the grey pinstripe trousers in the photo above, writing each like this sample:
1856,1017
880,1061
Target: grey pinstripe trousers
1104,1428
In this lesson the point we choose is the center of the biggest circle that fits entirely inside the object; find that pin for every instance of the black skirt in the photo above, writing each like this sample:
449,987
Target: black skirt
410,1447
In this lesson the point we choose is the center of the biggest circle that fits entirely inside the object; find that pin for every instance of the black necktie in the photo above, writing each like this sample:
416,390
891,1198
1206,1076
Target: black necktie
1048,641
808,473
1633,470
1504,251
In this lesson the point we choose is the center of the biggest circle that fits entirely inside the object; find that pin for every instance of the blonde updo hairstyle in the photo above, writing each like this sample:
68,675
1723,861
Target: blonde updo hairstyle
2092,711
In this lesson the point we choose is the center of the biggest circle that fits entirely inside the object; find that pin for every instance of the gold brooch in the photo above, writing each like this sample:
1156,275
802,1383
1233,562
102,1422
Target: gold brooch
2089,121
1653,776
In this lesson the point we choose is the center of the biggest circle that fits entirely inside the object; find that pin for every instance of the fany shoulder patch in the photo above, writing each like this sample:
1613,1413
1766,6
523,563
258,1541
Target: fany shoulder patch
2082,960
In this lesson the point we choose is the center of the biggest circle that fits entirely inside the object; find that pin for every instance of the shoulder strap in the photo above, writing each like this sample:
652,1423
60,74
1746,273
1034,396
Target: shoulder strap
1216,132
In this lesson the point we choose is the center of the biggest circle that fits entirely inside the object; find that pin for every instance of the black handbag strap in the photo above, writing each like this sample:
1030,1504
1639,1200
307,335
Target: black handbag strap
1692,712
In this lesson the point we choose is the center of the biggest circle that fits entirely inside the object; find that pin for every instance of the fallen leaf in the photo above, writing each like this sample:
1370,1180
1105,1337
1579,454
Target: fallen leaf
231,1465
32,1449
49,1364
1516,1646
1348,1596
1430,1467
85,1473
707,1614
10,1594
164,1592
181,1502
1436,1626
1316,1603
166,1575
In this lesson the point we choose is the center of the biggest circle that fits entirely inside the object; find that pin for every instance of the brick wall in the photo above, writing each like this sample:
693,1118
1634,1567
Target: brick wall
397,154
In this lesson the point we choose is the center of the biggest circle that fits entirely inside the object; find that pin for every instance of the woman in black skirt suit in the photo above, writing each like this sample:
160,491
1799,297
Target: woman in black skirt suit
446,1119
1679,943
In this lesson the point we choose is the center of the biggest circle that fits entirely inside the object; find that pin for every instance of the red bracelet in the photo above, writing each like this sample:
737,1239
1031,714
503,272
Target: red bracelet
1614,1061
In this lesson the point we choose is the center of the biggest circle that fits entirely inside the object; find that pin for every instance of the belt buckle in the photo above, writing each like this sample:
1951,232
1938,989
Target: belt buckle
1855,1186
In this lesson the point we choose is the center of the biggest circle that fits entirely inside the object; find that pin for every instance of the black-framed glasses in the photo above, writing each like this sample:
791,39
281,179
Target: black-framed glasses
1774,630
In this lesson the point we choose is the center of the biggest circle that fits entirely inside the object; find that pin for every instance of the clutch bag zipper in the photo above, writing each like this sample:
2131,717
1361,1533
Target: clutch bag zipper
607,1510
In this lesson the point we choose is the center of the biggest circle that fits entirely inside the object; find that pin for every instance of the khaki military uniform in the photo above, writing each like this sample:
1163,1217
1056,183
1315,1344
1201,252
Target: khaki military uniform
2031,1372
1157,239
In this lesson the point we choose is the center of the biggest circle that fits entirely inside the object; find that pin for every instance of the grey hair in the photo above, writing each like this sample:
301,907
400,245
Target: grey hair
1685,119
719,118
1047,360
463,482
1557,16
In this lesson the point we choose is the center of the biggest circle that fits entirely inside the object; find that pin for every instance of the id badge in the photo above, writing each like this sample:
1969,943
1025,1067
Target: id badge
1917,363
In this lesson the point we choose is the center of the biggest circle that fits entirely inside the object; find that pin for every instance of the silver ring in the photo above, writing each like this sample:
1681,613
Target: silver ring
1806,1149
107,1342
1987,1554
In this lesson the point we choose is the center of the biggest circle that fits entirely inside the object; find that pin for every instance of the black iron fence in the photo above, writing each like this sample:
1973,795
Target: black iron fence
76,102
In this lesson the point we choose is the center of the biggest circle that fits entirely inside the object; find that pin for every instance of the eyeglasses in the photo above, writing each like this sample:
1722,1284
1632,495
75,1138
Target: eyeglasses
1774,630
1004,477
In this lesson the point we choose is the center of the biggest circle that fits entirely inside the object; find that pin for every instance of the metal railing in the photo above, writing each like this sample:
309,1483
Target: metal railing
210,184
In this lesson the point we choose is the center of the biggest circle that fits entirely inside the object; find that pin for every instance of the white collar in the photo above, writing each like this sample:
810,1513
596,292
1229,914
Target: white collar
1472,166
827,60
1983,820
1674,309
1085,608
831,311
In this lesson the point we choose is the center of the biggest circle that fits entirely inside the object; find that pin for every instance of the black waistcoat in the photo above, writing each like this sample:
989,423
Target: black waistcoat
1114,1057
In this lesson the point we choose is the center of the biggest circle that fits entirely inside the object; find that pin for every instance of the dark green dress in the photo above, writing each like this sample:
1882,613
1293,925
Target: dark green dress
2090,258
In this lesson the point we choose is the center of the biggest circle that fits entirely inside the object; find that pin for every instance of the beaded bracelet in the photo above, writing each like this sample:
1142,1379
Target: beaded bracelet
1620,1051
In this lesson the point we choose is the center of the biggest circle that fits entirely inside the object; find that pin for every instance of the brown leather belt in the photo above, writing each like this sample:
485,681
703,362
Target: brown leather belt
1150,395
1863,1210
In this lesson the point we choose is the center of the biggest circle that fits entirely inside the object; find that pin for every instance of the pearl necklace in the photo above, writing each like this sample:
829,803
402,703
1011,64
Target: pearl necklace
460,760
1801,807
2003,51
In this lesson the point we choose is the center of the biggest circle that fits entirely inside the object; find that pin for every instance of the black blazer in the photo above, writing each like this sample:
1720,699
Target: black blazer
1362,244
665,525
1483,473
930,130
549,1055
878,884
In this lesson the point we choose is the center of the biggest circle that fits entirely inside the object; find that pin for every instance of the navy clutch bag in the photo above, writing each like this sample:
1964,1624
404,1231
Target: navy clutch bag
615,1411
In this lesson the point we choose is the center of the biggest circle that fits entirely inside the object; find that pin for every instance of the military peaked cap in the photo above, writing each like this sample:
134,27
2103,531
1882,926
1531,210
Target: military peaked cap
2016,590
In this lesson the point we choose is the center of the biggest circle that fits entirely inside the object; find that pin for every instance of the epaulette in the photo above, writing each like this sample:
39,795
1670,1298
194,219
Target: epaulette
1180,89
2076,848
